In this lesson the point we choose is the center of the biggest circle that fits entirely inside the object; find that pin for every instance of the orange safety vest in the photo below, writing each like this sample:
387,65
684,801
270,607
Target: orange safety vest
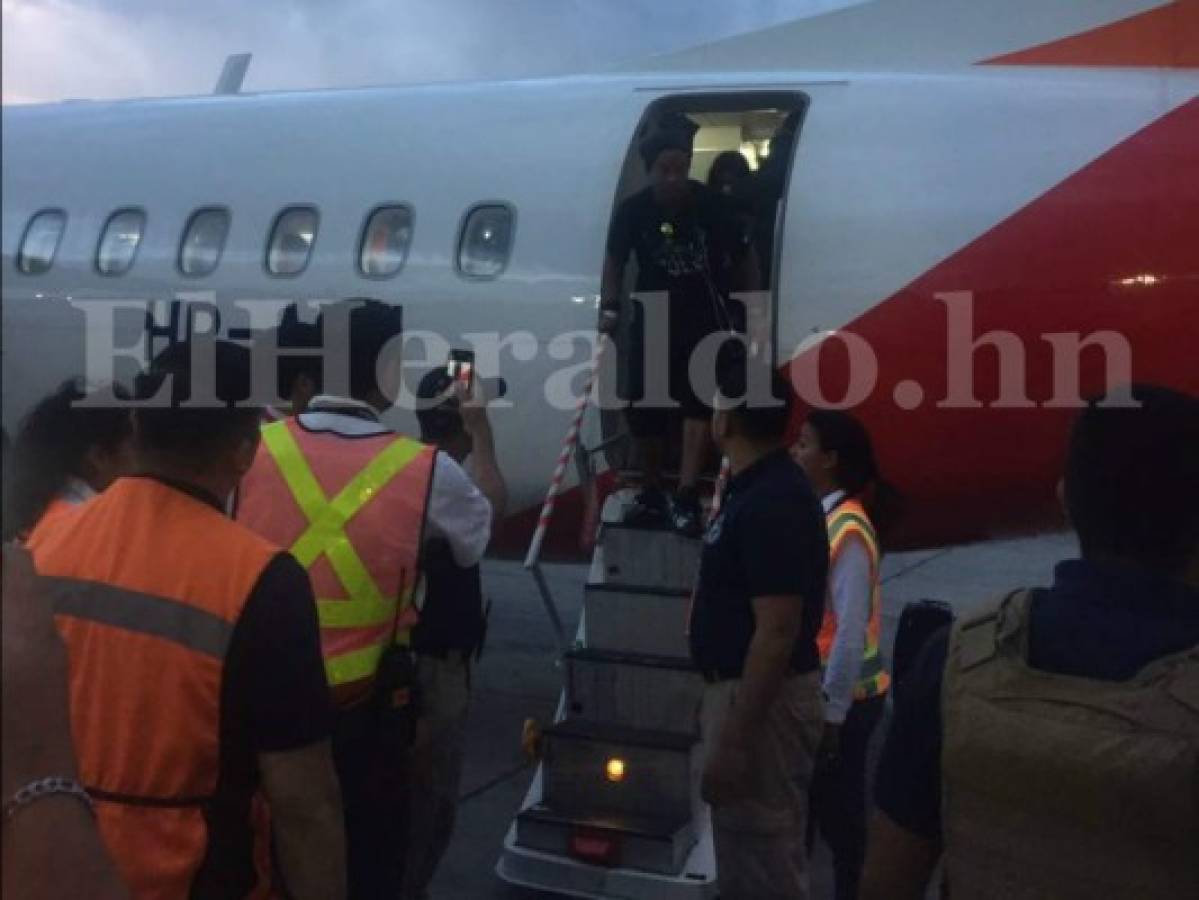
352,511
148,584
58,507
846,520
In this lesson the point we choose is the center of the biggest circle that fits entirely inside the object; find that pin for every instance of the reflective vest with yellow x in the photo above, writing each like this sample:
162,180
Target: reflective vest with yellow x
386,498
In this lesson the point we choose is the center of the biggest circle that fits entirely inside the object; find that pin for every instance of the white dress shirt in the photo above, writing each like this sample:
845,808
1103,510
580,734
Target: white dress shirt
849,593
458,511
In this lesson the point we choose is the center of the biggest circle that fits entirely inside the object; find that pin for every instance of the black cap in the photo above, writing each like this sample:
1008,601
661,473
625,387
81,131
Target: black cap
673,132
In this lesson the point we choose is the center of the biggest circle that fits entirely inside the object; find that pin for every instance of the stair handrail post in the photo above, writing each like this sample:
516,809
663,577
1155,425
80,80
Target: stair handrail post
533,557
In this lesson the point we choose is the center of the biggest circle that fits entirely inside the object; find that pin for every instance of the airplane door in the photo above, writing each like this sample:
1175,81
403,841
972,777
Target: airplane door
743,147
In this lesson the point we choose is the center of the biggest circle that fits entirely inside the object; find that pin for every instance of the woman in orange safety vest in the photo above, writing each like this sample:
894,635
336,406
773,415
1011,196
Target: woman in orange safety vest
835,451
63,455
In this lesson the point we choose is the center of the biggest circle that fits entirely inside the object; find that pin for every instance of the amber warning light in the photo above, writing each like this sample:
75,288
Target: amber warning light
614,770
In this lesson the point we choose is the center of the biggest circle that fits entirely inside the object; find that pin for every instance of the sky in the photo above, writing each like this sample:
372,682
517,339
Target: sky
60,49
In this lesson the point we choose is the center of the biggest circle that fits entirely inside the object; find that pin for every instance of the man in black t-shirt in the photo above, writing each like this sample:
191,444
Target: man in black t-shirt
450,633
689,247
758,606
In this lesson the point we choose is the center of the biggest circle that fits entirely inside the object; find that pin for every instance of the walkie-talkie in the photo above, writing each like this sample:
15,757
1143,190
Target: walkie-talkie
397,694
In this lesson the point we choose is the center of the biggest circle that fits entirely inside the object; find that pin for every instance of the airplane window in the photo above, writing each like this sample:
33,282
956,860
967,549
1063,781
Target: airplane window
119,242
291,240
203,241
40,243
385,241
486,241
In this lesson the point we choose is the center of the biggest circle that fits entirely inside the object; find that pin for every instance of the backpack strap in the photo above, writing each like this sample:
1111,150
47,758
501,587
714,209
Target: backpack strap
999,626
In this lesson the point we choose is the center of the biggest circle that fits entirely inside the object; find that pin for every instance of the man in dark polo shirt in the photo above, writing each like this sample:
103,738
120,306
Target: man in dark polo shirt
758,607
1037,803
450,631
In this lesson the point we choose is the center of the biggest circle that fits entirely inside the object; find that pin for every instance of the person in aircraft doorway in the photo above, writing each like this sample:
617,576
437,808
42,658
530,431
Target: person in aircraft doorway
690,248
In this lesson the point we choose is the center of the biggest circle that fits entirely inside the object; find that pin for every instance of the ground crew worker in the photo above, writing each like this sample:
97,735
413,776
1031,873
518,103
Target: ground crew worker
836,454
64,454
1048,746
353,499
757,611
52,848
450,631
196,673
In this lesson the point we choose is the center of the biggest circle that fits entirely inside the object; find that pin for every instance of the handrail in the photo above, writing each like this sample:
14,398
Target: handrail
533,557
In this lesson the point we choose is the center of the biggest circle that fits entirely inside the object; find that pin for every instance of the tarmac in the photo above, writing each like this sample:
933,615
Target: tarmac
518,679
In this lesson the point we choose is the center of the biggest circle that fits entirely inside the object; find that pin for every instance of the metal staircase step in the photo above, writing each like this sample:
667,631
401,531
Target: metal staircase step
637,556
650,843
649,621
633,690
593,768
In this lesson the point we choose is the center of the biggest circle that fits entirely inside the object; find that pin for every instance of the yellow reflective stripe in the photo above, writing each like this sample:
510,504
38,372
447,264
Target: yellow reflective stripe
359,664
294,469
326,536
358,613
840,524
327,528
353,666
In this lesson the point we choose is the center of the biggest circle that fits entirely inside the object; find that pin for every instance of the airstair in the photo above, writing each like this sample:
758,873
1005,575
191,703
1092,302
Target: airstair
614,808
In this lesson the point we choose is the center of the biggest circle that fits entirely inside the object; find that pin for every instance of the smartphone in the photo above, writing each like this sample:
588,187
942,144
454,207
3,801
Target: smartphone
461,366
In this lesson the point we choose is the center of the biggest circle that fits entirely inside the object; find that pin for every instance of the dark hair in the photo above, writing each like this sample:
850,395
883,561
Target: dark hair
857,471
195,434
727,166
373,324
1132,479
674,131
438,421
52,446
757,418
293,335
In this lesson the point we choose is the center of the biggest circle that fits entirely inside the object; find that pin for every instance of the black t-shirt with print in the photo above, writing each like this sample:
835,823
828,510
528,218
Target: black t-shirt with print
692,254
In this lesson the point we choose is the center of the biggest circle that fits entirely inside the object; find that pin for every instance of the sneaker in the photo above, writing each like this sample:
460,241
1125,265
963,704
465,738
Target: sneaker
686,515
649,508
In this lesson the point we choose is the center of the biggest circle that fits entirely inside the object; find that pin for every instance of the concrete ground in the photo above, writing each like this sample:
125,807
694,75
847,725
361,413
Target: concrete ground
518,679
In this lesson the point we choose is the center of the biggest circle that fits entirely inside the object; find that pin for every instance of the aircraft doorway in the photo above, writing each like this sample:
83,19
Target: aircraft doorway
741,147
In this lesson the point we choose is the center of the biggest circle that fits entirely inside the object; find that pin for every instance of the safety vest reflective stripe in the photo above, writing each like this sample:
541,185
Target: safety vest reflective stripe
845,521
190,627
839,527
326,536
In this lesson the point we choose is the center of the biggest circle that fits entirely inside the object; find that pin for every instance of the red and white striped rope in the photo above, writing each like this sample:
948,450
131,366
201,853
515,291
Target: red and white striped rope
722,482
568,445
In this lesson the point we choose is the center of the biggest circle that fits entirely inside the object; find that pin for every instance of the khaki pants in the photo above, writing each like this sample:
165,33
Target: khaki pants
760,852
436,767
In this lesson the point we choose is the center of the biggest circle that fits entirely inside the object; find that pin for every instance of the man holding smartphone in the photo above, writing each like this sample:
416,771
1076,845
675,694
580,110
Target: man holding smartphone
452,620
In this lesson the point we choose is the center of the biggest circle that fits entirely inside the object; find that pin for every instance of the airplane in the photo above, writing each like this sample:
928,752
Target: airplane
1041,159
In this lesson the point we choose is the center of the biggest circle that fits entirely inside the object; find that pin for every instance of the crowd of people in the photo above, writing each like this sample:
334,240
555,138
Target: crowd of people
258,668
269,625
1044,746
